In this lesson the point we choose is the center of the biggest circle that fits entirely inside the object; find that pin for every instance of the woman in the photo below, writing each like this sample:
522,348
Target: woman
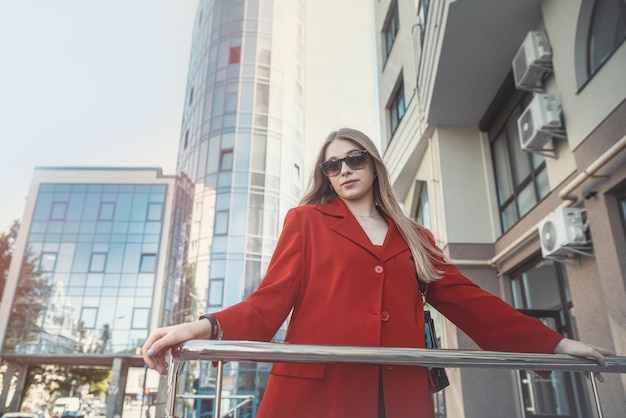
347,264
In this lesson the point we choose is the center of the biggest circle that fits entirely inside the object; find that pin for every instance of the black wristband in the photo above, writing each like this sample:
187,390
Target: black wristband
216,329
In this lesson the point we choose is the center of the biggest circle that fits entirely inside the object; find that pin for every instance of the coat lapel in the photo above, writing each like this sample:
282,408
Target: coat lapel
394,243
348,227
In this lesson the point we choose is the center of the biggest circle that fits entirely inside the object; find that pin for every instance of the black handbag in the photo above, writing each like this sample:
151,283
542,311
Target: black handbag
438,377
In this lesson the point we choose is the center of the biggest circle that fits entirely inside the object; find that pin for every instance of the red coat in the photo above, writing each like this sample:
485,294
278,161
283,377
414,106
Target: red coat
346,291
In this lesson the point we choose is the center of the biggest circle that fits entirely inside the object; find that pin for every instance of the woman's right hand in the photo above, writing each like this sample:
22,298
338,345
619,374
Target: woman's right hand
161,340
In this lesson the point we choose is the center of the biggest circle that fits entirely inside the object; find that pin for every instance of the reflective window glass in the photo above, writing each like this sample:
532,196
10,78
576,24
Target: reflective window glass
140,318
47,262
98,261
58,210
221,223
155,211
139,208
216,292
218,269
396,107
87,318
148,263
521,176
390,28
226,160
106,211
607,31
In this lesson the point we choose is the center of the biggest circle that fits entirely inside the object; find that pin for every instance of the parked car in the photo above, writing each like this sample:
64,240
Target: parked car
21,415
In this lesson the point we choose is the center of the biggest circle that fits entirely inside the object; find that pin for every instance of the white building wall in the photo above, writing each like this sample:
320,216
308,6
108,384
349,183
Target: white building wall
584,106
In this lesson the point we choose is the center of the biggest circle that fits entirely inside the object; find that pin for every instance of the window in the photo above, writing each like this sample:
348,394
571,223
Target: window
607,31
221,223
390,29
107,209
154,211
47,262
147,263
234,54
98,261
396,107
253,275
421,205
422,18
216,292
262,98
140,318
58,211
87,319
255,214
230,102
226,160
541,291
521,176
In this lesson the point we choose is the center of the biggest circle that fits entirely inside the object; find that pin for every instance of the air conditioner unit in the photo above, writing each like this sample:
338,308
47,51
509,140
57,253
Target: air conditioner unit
540,121
532,61
562,231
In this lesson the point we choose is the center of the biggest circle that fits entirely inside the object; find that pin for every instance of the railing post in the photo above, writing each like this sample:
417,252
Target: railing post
596,397
217,406
175,368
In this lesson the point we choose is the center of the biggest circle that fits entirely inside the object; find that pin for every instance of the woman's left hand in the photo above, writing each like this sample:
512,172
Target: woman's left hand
580,349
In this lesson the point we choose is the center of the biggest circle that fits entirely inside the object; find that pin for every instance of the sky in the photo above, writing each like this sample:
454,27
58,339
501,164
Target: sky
101,83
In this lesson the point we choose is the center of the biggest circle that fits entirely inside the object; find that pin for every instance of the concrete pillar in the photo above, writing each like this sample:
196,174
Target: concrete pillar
22,374
117,388
6,384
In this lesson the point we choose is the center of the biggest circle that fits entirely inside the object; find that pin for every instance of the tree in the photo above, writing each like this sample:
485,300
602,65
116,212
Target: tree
31,294
57,380
7,242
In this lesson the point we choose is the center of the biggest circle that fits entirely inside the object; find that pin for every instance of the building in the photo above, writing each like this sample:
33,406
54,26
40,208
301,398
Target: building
503,126
98,238
240,161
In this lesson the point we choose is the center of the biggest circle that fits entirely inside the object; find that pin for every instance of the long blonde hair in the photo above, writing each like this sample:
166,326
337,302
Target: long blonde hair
319,191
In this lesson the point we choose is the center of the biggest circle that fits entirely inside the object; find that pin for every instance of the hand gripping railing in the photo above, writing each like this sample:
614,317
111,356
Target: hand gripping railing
221,351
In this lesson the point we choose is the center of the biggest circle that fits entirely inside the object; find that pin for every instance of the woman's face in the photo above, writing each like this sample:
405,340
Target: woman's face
351,183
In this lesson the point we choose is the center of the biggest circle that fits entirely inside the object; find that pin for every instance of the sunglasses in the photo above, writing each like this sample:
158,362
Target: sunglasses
356,161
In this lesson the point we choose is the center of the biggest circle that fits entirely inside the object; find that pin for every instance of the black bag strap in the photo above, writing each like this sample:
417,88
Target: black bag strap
422,286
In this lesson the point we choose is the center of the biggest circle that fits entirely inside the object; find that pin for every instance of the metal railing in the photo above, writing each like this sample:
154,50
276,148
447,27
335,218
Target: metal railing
223,351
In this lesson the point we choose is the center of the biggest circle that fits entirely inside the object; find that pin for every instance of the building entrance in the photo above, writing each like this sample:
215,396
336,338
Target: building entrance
541,290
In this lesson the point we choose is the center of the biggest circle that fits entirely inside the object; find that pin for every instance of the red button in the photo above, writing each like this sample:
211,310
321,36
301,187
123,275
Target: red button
389,367
384,315
379,269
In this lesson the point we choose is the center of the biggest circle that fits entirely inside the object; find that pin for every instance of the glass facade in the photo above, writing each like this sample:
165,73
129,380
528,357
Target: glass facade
94,248
521,176
241,148
240,158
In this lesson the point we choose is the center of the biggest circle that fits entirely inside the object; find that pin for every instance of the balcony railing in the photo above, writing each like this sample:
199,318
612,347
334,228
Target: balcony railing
223,351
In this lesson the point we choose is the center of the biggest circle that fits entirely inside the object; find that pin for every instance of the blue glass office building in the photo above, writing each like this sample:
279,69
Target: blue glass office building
240,157
96,237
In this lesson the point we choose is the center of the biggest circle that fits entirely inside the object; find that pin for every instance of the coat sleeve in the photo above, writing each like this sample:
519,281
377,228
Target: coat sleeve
488,320
259,317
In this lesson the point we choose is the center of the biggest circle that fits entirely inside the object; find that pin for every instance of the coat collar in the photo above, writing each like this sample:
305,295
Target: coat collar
348,226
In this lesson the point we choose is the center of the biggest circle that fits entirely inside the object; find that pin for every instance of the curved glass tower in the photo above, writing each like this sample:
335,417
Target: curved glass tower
240,158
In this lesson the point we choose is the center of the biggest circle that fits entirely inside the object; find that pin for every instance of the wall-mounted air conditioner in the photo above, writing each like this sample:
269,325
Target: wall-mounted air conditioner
532,61
562,231
540,121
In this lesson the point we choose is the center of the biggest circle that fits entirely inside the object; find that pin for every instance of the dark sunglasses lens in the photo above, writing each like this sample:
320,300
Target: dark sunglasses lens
331,168
356,162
